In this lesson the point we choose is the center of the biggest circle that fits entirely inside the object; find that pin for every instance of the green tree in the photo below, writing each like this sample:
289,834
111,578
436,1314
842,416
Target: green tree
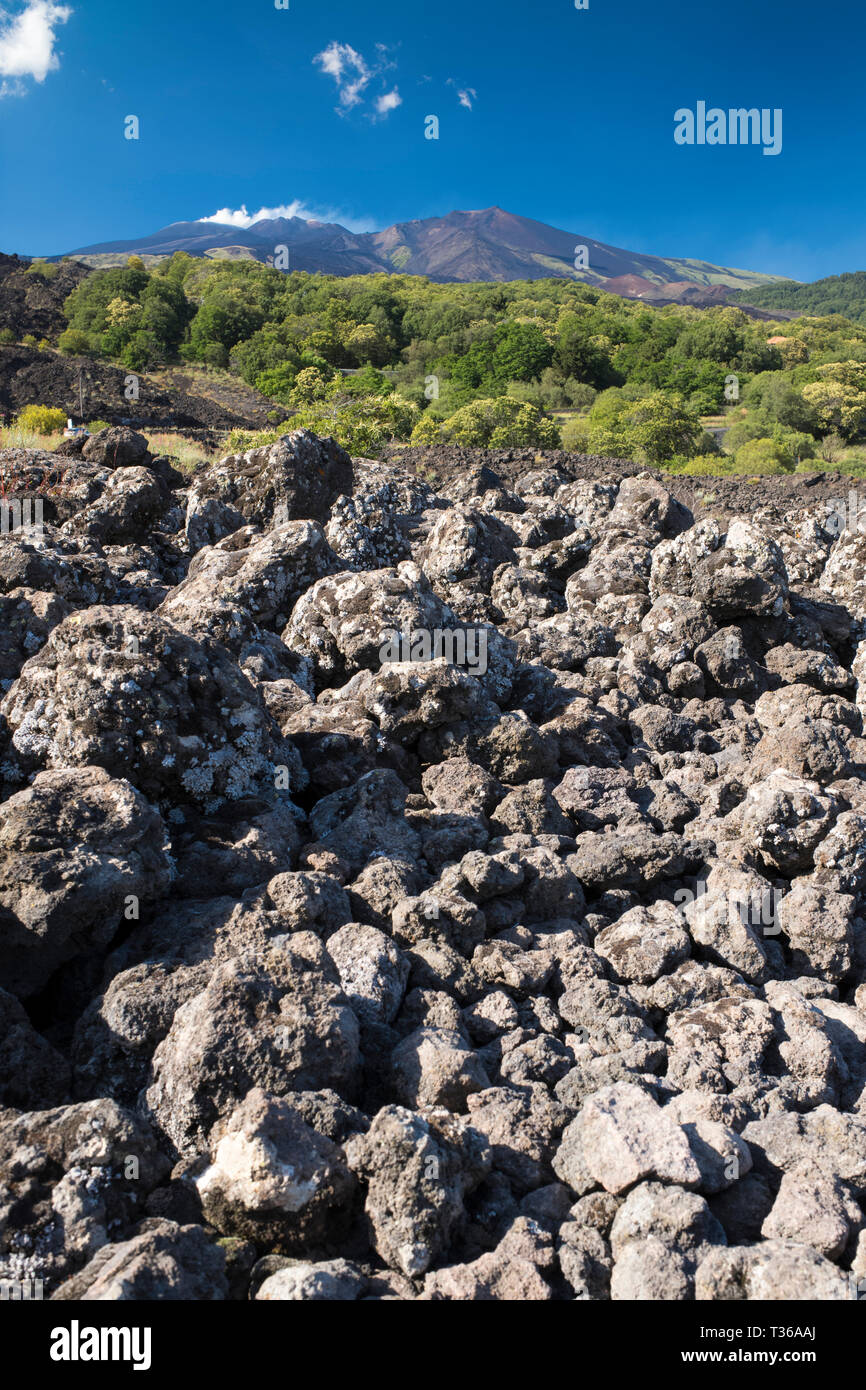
277,383
662,425
578,355
777,400
839,406
367,382
310,385
224,318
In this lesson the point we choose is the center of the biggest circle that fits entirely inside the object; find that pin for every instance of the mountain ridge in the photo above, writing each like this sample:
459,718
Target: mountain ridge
487,244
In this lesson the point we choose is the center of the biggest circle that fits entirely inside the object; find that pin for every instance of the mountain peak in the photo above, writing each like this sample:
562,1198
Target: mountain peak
470,245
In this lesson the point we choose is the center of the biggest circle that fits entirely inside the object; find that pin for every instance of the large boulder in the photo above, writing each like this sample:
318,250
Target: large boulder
80,853
297,478
275,1019
126,691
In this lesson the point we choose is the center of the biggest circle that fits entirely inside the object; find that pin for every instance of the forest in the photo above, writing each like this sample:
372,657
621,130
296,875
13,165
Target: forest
837,294
379,358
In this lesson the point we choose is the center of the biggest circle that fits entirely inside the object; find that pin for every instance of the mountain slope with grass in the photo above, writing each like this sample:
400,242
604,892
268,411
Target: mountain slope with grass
488,244
837,294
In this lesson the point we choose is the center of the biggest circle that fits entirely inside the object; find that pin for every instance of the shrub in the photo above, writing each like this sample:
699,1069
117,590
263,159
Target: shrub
500,423
277,383
367,382
30,340
215,355
660,425
310,385
6,336
74,342
96,425
763,456
427,430
706,466
832,447
582,394
239,441
41,419
44,268
361,425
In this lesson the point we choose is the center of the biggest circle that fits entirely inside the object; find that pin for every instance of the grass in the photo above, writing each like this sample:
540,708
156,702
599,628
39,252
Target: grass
13,437
188,454
717,422
851,462
240,441
199,372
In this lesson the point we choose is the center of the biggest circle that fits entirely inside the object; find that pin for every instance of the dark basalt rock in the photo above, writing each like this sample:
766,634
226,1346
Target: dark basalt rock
532,973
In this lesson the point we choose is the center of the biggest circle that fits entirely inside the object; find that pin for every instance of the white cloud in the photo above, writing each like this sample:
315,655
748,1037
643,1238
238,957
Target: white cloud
348,69
353,74
242,218
27,44
465,95
239,217
389,102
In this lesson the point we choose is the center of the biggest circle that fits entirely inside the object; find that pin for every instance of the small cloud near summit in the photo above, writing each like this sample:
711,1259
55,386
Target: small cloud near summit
242,218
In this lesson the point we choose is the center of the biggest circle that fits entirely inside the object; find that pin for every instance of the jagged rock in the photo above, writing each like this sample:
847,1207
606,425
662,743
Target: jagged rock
276,1019
128,692
514,1272
622,1137
775,1270
417,1170
466,889
80,852
165,1262
274,1180
72,1180
297,478
116,447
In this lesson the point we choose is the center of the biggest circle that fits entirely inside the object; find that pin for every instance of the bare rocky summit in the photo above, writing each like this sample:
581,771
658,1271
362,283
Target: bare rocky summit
522,959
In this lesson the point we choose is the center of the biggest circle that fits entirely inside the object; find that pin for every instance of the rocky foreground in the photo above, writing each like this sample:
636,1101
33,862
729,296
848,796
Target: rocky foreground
411,895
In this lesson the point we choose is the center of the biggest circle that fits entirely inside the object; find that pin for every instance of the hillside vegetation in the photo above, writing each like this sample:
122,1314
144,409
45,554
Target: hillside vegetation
378,358
838,294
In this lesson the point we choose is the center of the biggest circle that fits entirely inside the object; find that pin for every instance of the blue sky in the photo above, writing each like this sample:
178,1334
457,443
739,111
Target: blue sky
555,113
